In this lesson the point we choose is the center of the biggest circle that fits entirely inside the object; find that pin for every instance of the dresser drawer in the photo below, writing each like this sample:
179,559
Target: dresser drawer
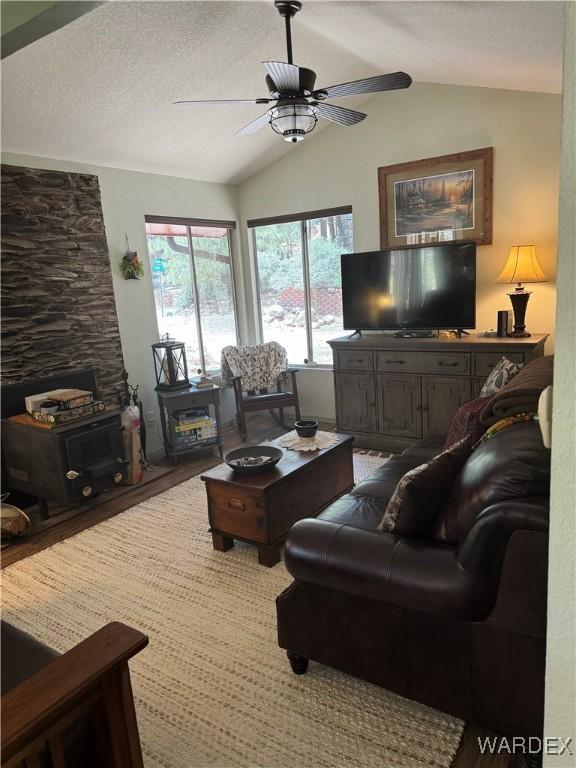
355,360
445,363
485,361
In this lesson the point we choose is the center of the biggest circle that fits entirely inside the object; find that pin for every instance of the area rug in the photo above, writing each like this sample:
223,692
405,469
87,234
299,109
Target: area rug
213,688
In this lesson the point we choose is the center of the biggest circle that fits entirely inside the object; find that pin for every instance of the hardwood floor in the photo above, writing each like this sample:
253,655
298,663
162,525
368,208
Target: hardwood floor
72,520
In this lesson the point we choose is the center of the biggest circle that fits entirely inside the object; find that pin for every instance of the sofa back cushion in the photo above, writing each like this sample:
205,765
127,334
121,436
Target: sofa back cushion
513,464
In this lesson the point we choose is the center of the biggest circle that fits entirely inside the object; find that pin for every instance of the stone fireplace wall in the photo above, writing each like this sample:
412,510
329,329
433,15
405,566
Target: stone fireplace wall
58,311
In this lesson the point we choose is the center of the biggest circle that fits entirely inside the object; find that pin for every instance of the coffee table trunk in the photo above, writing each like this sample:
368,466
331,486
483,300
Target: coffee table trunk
260,509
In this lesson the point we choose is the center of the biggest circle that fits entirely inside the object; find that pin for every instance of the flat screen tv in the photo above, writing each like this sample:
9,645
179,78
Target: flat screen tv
426,287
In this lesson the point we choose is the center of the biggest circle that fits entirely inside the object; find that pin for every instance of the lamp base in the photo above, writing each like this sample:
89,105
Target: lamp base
519,299
519,335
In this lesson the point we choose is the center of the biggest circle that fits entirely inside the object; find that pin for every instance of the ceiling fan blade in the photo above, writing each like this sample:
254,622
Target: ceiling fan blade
339,115
224,101
389,82
286,77
255,125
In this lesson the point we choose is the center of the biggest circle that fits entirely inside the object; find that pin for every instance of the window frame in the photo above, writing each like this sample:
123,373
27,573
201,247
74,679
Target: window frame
229,226
304,219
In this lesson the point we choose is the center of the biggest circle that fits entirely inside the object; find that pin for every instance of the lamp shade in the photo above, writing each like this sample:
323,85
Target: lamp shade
522,266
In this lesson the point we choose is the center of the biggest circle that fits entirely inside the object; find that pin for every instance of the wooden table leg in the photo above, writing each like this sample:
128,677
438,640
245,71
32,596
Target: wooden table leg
220,542
269,556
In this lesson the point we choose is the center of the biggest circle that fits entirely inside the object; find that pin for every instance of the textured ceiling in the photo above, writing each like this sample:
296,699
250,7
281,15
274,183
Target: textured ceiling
101,89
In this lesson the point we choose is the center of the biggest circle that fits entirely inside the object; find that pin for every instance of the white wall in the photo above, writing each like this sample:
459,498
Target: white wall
560,718
127,196
339,167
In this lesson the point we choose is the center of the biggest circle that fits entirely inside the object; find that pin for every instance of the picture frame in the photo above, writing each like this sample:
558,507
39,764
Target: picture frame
437,199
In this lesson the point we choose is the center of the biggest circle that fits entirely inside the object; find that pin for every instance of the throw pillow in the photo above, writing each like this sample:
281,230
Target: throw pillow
500,375
466,422
422,491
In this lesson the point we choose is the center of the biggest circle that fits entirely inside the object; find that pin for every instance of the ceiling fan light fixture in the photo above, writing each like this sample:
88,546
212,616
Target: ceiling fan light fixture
298,103
293,120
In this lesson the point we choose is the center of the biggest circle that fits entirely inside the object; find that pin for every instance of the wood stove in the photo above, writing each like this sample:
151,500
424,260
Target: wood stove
67,464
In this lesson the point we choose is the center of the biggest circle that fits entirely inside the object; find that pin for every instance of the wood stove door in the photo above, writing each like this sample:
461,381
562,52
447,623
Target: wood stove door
97,456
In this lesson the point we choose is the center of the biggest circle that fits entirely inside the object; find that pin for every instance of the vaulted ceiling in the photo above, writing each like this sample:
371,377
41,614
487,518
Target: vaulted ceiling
100,90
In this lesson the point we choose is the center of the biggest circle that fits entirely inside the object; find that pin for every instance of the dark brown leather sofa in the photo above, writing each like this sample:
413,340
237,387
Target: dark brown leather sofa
456,619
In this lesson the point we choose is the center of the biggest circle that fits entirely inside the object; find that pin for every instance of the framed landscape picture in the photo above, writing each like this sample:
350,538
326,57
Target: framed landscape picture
437,199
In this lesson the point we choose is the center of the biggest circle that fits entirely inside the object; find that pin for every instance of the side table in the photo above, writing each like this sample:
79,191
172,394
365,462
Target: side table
190,419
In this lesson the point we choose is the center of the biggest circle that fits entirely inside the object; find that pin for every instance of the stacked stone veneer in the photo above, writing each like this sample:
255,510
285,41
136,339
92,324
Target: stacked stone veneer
58,310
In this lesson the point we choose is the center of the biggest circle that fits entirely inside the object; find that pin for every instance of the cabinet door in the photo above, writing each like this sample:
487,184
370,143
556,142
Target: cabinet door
441,398
399,405
356,402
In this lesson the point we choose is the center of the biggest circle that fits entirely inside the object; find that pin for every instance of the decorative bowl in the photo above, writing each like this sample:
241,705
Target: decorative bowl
306,427
244,461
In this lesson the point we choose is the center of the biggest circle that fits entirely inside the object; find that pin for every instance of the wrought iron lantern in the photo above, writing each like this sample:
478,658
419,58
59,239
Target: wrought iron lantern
170,364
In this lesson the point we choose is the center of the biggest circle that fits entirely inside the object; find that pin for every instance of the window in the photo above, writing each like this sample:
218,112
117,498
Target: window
299,284
193,284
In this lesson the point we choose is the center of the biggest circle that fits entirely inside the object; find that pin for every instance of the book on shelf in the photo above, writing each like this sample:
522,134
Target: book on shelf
68,399
65,417
190,414
193,433
62,399
188,426
203,382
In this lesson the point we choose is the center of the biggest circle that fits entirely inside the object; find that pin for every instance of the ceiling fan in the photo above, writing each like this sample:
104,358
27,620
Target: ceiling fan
296,104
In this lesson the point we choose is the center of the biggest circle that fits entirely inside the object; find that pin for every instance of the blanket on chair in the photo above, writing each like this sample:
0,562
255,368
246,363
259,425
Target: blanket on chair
259,366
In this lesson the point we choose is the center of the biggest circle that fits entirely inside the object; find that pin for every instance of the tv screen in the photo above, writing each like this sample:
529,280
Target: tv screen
421,288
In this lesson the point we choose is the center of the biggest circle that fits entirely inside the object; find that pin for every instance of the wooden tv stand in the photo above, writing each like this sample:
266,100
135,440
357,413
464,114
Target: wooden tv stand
392,392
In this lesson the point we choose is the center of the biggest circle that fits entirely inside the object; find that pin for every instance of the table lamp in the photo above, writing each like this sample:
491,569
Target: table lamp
521,267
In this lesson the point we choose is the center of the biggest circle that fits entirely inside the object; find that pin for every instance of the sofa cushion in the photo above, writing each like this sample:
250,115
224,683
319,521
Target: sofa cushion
365,505
358,511
427,448
382,482
513,464
22,656
421,492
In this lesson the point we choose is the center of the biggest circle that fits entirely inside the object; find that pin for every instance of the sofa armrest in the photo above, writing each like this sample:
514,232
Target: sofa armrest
410,573
420,575
95,668
481,552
